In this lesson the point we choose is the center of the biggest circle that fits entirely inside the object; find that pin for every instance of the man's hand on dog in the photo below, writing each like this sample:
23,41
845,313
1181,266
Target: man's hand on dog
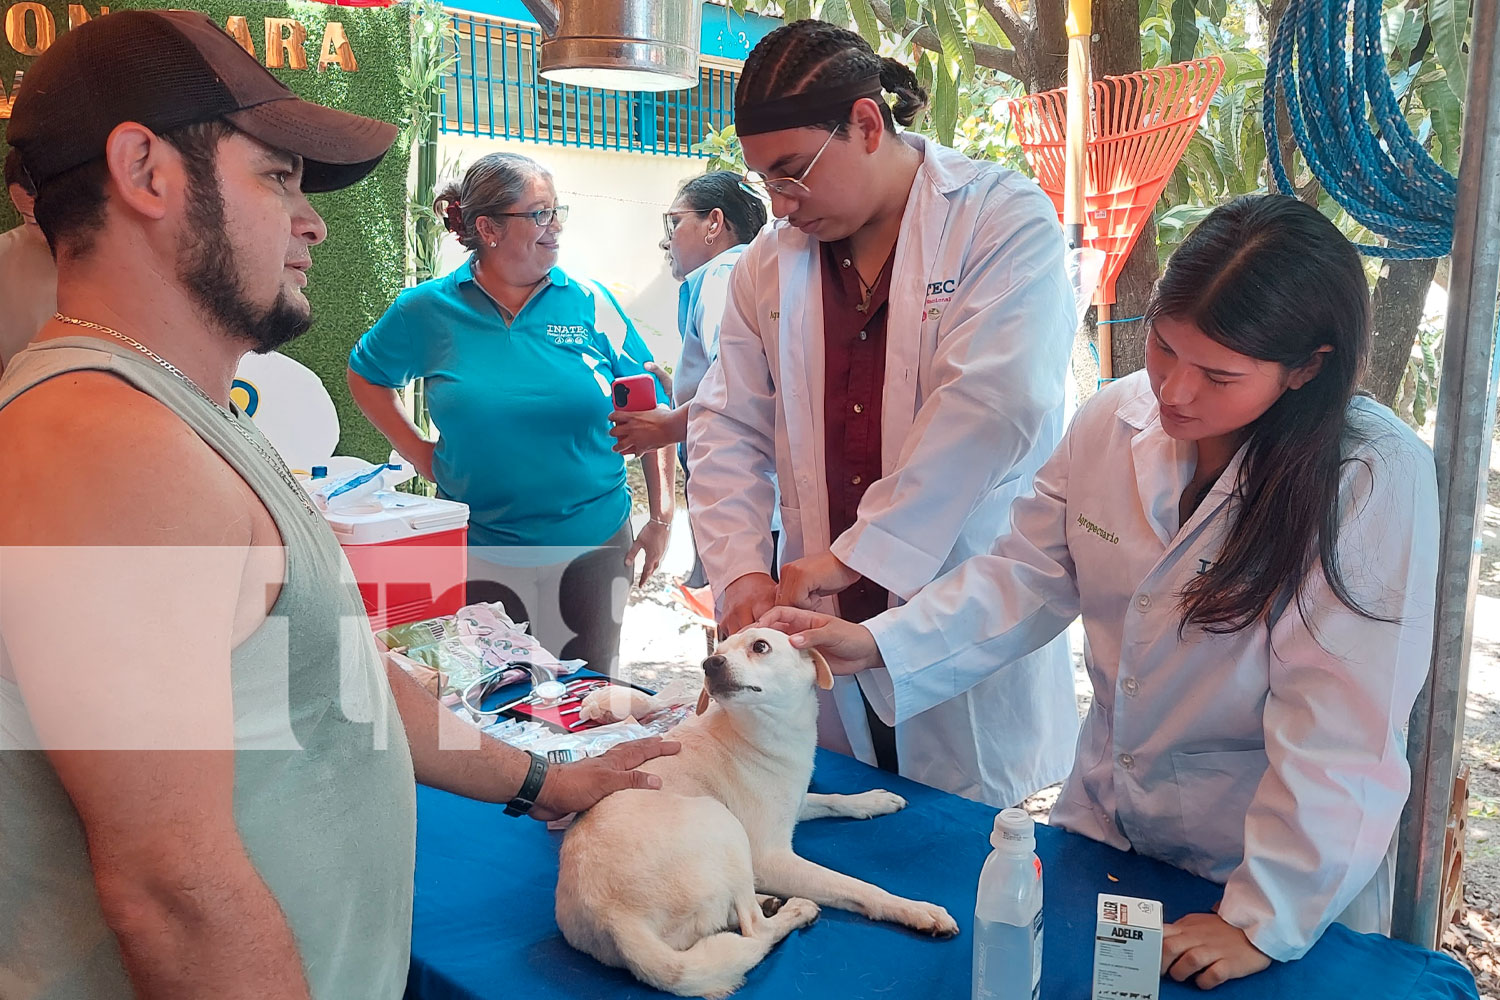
848,647
745,600
571,788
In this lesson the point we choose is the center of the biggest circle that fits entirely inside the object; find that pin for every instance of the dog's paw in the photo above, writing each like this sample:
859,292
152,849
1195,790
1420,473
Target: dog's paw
607,704
801,912
877,802
929,918
770,905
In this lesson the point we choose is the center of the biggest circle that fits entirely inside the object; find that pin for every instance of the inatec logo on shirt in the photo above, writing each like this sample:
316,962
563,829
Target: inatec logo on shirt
568,334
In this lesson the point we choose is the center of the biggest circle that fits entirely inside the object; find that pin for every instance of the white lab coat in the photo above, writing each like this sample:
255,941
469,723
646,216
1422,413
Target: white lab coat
1270,759
980,329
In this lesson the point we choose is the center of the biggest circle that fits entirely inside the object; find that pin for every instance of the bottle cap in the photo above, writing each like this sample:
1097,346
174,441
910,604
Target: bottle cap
1015,832
320,472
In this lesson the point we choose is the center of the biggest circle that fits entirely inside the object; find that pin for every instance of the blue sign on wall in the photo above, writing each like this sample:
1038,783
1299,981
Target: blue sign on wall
726,34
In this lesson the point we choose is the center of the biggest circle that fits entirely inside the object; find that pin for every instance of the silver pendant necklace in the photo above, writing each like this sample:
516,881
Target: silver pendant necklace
273,460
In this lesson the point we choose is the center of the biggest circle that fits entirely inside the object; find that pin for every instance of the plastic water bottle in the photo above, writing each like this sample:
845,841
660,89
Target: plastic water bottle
1008,914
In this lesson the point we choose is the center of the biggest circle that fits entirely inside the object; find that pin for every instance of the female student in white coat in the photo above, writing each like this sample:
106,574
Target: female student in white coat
894,350
1253,550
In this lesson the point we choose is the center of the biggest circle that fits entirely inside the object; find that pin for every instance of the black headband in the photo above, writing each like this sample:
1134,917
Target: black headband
800,110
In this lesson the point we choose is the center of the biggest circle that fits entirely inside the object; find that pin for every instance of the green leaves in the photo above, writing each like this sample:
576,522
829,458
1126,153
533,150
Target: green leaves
953,32
1175,223
1449,20
723,149
1184,16
944,103
1435,92
1185,31
796,10
1406,36
865,21
835,12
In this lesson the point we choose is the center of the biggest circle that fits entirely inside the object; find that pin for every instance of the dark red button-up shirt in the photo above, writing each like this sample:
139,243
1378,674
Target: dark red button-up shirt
853,388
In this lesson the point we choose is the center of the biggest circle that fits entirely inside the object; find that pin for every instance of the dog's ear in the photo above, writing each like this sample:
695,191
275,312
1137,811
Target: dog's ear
703,700
825,675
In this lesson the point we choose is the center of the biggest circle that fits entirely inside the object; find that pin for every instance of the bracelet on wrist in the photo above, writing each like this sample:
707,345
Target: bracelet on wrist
530,788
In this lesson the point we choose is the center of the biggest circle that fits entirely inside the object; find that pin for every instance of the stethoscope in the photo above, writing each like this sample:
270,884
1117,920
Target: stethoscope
546,689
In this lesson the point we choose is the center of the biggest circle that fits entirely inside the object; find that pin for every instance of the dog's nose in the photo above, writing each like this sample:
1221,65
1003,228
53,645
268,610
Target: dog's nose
714,664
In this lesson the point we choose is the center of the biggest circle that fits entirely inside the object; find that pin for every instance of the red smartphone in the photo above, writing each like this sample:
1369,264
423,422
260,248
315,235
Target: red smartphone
635,393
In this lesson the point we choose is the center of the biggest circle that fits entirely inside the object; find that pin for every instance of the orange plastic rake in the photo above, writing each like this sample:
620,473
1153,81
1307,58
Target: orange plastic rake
1139,127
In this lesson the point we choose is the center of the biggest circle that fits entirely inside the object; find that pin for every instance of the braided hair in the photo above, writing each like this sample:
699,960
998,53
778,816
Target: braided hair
809,55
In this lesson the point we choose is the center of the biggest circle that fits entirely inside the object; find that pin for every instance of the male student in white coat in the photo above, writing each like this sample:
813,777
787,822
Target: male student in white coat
895,351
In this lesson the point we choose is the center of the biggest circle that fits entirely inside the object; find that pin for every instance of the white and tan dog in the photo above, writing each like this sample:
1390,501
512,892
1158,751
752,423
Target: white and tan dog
664,883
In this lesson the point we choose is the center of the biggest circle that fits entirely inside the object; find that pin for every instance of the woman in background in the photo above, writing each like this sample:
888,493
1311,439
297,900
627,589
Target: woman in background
706,229
518,357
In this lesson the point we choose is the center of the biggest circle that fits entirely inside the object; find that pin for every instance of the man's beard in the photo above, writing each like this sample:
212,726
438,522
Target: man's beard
207,267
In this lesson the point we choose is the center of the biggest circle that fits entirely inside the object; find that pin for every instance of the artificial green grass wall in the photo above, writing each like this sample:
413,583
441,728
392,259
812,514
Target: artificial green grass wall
358,271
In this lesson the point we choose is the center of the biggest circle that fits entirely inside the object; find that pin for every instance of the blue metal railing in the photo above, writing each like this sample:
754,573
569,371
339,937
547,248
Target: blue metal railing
494,91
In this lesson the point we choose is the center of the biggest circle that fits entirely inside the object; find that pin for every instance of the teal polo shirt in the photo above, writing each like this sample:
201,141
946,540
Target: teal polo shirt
522,407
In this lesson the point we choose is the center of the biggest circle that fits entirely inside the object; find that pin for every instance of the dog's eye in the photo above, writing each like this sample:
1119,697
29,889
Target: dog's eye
760,646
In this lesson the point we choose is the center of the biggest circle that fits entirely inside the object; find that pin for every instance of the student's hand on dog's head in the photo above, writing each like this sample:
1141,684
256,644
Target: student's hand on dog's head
745,600
571,788
848,647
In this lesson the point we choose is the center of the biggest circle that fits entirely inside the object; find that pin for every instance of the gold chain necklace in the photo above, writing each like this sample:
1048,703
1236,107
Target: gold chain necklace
273,460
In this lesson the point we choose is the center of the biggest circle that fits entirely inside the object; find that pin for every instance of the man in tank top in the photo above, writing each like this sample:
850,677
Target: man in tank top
206,774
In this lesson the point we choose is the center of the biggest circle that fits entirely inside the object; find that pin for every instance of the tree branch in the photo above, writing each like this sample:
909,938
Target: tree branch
1012,25
989,56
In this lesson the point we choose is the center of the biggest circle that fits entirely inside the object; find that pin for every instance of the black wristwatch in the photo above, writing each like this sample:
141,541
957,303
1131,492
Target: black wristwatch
530,788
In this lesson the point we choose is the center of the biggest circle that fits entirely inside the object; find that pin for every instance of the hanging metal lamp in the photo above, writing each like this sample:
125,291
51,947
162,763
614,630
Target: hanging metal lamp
620,44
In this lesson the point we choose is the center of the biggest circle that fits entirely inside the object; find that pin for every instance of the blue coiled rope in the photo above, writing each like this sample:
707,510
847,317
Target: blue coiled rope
1351,130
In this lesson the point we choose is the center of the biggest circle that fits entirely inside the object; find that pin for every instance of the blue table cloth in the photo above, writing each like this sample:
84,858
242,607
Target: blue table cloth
483,926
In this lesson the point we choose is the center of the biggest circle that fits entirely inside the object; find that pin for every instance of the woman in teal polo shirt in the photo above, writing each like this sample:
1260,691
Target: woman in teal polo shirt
518,358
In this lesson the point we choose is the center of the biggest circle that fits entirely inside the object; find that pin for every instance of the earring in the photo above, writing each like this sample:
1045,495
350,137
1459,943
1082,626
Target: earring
493,243
708,241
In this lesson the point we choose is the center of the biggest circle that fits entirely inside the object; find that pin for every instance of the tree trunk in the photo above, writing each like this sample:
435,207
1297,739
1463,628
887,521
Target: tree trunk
1400,297
1117,51
1048,58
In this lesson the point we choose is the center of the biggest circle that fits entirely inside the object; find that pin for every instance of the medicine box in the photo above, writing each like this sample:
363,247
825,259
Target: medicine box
1127,949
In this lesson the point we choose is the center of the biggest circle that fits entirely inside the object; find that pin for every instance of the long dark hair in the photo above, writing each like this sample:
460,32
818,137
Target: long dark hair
744,212
1269,277
806,55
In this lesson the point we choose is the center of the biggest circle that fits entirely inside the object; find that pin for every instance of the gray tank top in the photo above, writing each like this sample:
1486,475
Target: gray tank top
323,794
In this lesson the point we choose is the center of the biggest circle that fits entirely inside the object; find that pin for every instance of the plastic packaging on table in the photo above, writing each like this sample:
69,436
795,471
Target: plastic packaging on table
465,647
355,493
566,747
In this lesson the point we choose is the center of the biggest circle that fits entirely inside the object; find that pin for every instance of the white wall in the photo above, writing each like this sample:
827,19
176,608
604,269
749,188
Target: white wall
615,203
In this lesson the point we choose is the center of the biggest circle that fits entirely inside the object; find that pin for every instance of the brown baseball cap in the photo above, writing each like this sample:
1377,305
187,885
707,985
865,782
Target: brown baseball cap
165,70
